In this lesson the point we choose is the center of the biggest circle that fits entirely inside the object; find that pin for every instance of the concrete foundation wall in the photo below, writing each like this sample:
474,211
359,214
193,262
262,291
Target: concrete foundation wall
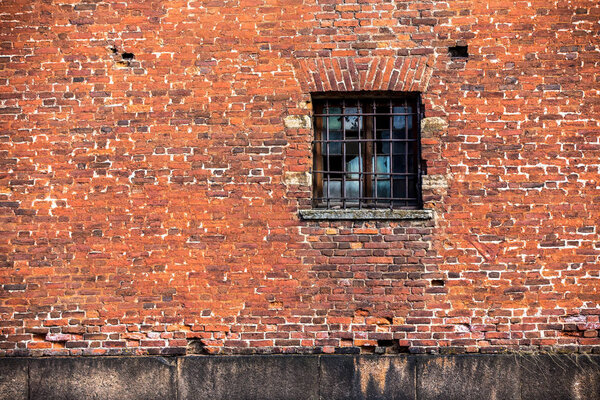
303,377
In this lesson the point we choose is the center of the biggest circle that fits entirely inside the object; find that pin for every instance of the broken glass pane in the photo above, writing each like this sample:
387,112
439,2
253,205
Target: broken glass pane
354,165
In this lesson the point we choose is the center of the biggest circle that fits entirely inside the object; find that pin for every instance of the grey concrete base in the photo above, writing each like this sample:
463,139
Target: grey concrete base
14,378
303,377
249,377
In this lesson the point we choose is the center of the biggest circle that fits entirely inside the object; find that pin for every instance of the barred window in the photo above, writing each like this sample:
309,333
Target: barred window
367,152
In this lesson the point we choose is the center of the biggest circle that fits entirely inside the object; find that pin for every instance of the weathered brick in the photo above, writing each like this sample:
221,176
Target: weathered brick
151,180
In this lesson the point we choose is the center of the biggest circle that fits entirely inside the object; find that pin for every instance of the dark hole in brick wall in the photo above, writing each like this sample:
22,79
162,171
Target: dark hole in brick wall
437,282
195,346
385,346
15,287
367,350
114,49
127,56
459,51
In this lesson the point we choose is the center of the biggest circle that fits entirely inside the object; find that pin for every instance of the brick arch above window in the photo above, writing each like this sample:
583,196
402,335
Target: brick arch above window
344,74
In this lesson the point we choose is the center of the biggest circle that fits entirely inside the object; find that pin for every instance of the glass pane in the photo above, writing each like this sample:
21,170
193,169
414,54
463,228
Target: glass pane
412,187
413,132
351,123
410,165
399,164
333,110
382,134
383,188
335,189
383,164
399,187
352,189
353,164
382,146
399,124
399,148
335,123
412,157
401,106
335,147
351,148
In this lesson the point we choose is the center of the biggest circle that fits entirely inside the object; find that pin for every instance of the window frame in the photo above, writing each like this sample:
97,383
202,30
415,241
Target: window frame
367,200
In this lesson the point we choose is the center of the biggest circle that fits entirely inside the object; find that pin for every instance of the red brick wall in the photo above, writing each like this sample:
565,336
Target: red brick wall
150,205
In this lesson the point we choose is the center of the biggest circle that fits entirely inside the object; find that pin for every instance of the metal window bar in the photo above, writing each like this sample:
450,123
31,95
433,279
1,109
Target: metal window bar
343,185
368,172
328,162
375,164
405,149
360,164
391,144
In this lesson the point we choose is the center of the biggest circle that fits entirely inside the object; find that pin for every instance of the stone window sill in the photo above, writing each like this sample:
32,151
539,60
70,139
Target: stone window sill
349,214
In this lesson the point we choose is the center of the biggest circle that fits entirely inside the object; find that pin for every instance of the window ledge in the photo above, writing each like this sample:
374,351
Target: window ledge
350,214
